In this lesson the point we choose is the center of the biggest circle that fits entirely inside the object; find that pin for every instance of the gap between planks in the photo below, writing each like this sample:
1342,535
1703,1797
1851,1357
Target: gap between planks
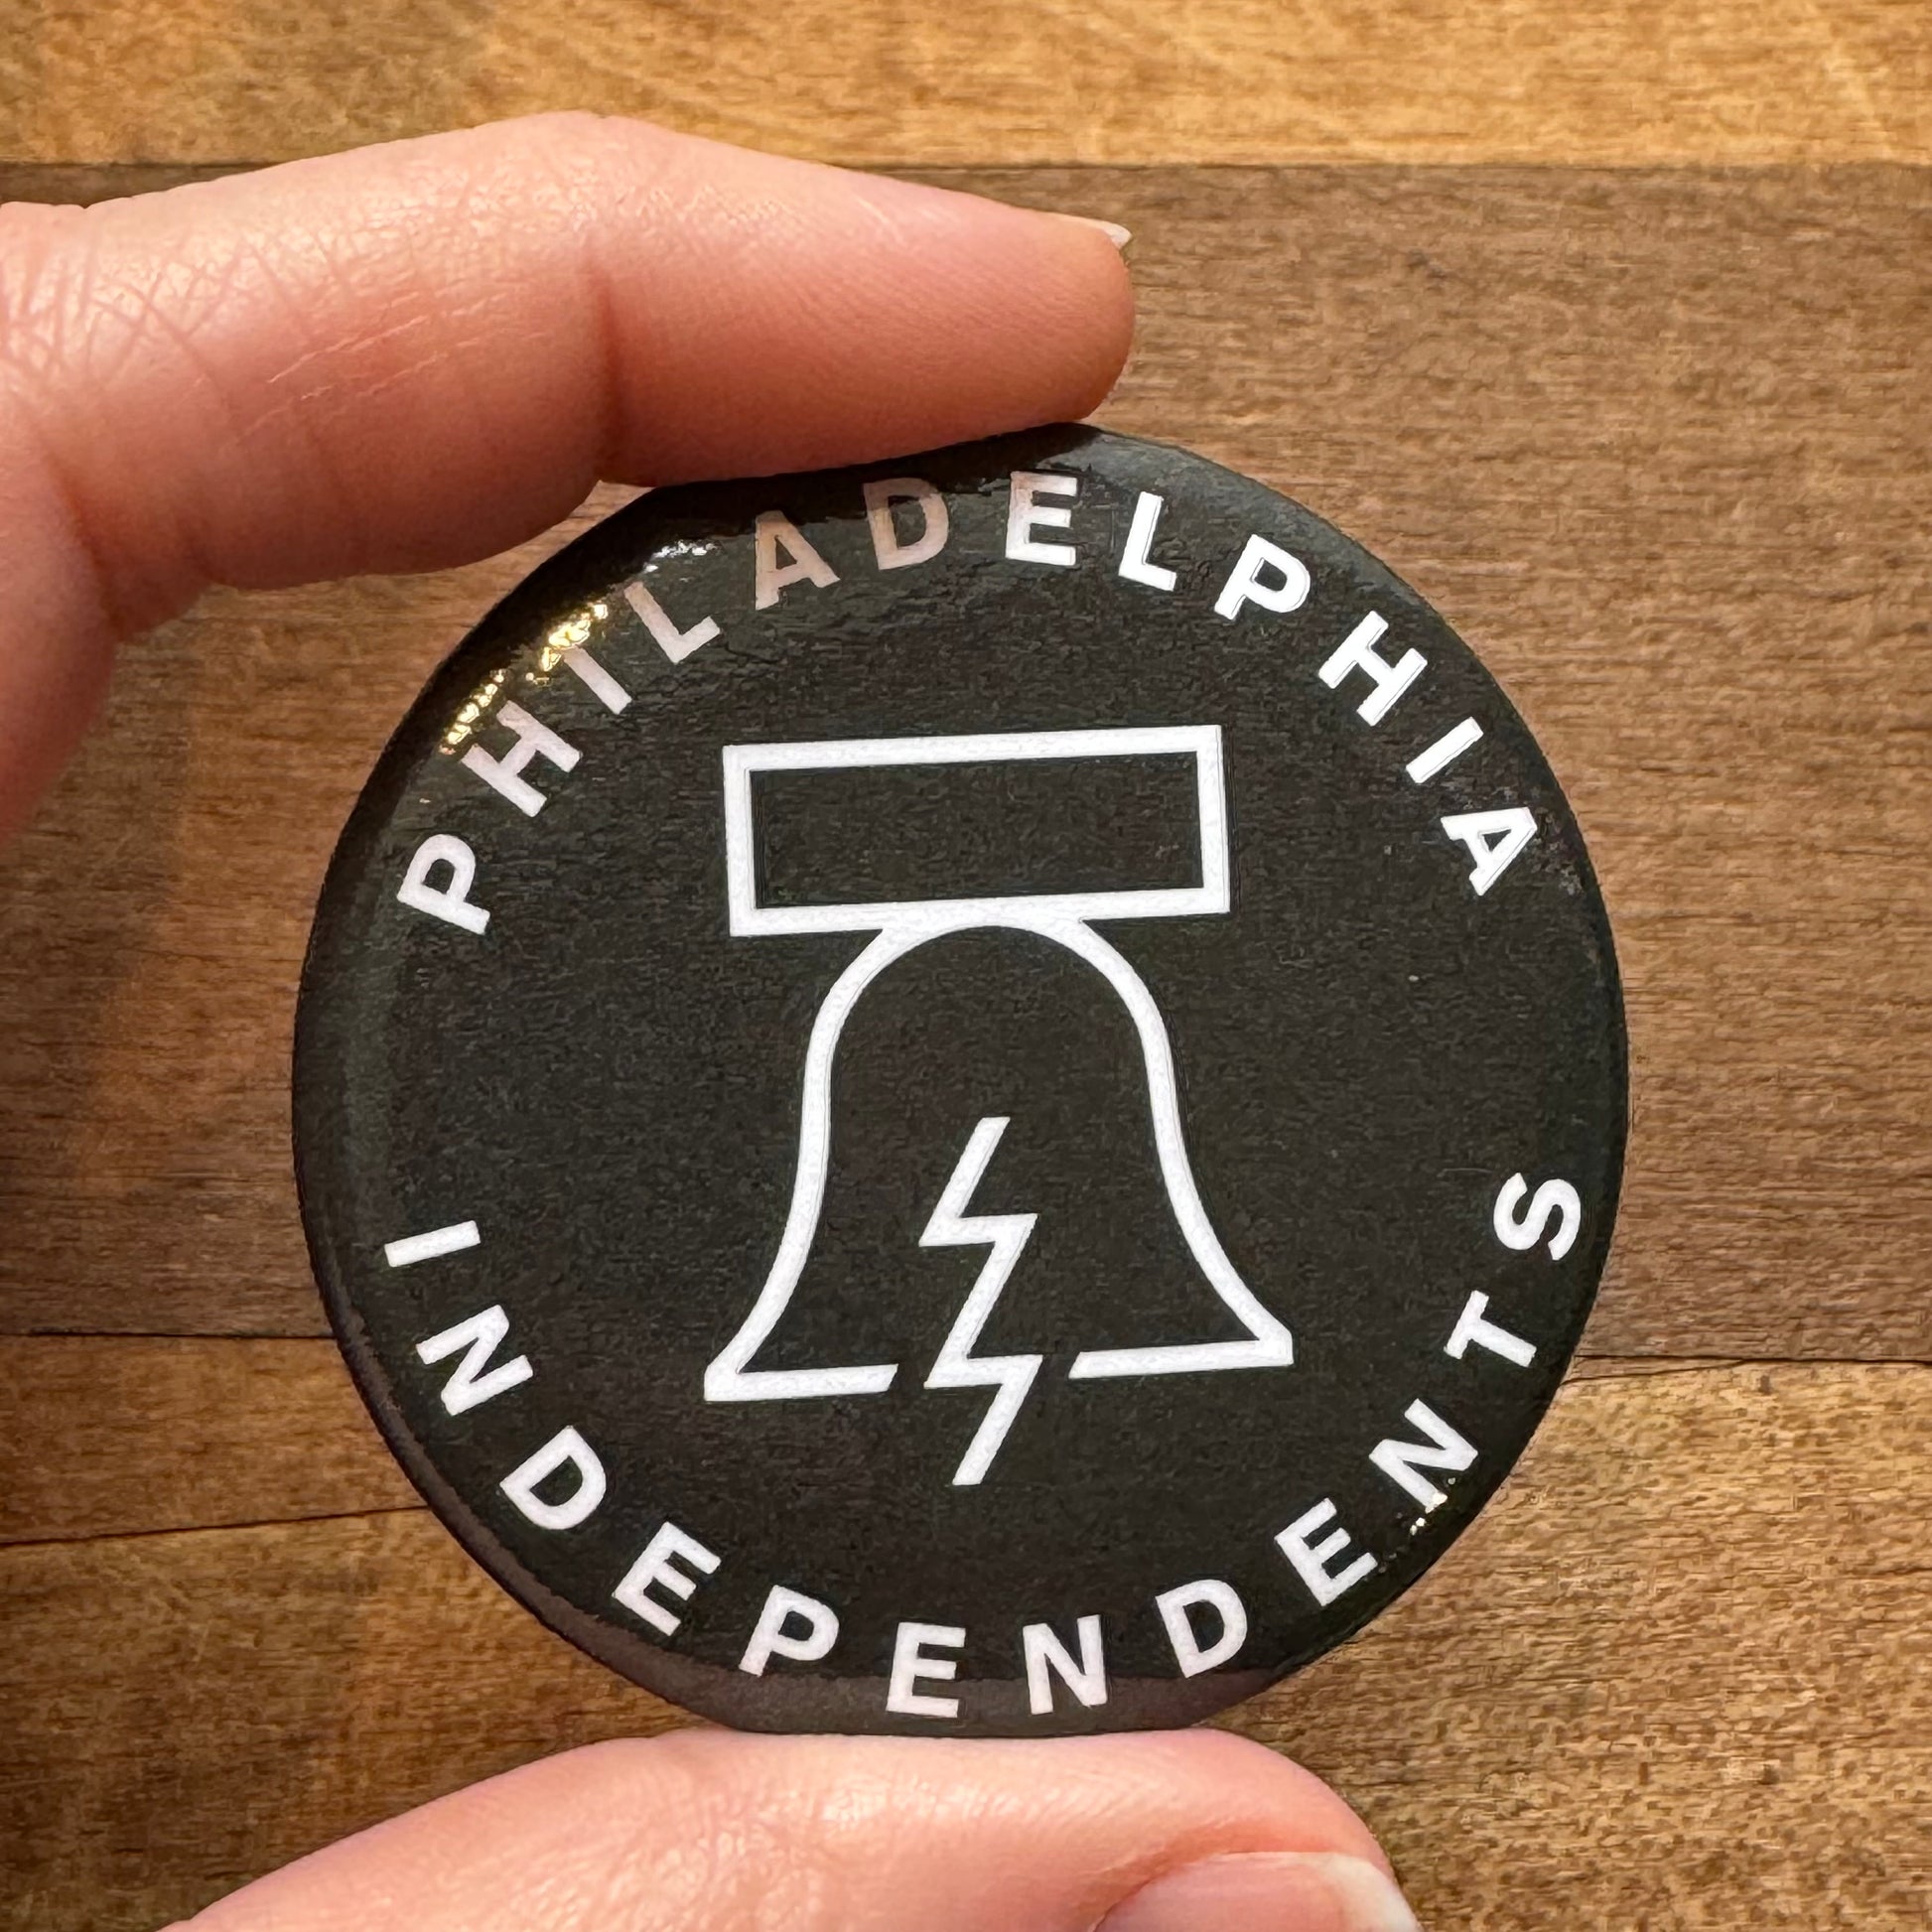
111,1440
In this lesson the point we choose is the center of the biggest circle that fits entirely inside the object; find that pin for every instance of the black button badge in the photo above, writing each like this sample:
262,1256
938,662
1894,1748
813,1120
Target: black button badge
981,1094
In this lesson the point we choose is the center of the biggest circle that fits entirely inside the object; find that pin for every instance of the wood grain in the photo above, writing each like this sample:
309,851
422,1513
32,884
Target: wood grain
1679,1675
1655,442
1679,1678
137,1435
1597,82
107,1436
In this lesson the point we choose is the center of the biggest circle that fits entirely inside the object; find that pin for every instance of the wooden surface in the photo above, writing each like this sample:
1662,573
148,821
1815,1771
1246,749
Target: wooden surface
919,82
1655,438
1676,1676
1656,443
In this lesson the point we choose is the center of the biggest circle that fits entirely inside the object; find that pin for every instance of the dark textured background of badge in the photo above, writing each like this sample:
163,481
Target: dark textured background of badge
607,1082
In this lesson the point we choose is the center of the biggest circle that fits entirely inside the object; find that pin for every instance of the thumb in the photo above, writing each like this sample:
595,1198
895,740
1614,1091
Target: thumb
709,1832
412,356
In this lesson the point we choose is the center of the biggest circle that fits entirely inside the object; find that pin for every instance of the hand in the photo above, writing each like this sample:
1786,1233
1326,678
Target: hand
409,358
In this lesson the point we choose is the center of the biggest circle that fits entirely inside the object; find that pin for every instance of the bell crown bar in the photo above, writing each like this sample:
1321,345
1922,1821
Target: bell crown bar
1201,744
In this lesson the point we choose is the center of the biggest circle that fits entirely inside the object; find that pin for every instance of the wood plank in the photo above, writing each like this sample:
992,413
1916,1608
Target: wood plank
265,1690
1656,442
1679,1674
1603,81
81,184
116,1436
135,1435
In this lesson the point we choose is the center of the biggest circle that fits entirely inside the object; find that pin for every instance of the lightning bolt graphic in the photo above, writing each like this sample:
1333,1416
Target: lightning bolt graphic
1004,1236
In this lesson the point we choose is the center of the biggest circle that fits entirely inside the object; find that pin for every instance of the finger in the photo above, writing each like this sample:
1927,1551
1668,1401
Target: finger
705,1831
412,356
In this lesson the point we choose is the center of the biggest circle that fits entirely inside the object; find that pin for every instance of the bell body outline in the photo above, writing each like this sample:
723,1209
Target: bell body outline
900,928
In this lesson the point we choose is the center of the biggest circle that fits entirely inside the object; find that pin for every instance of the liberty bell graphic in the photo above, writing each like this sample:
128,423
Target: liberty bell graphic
897,928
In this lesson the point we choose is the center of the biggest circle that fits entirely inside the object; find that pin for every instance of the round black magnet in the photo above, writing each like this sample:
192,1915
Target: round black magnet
976,1095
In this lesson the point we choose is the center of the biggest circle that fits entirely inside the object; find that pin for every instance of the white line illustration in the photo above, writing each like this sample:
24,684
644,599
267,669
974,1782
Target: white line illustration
899,927
1004,1237
1202,743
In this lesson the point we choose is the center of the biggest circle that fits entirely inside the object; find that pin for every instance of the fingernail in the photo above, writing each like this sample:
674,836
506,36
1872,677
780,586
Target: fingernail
1267,1891
1114,232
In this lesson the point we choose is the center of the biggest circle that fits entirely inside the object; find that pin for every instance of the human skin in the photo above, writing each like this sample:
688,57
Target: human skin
413,355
